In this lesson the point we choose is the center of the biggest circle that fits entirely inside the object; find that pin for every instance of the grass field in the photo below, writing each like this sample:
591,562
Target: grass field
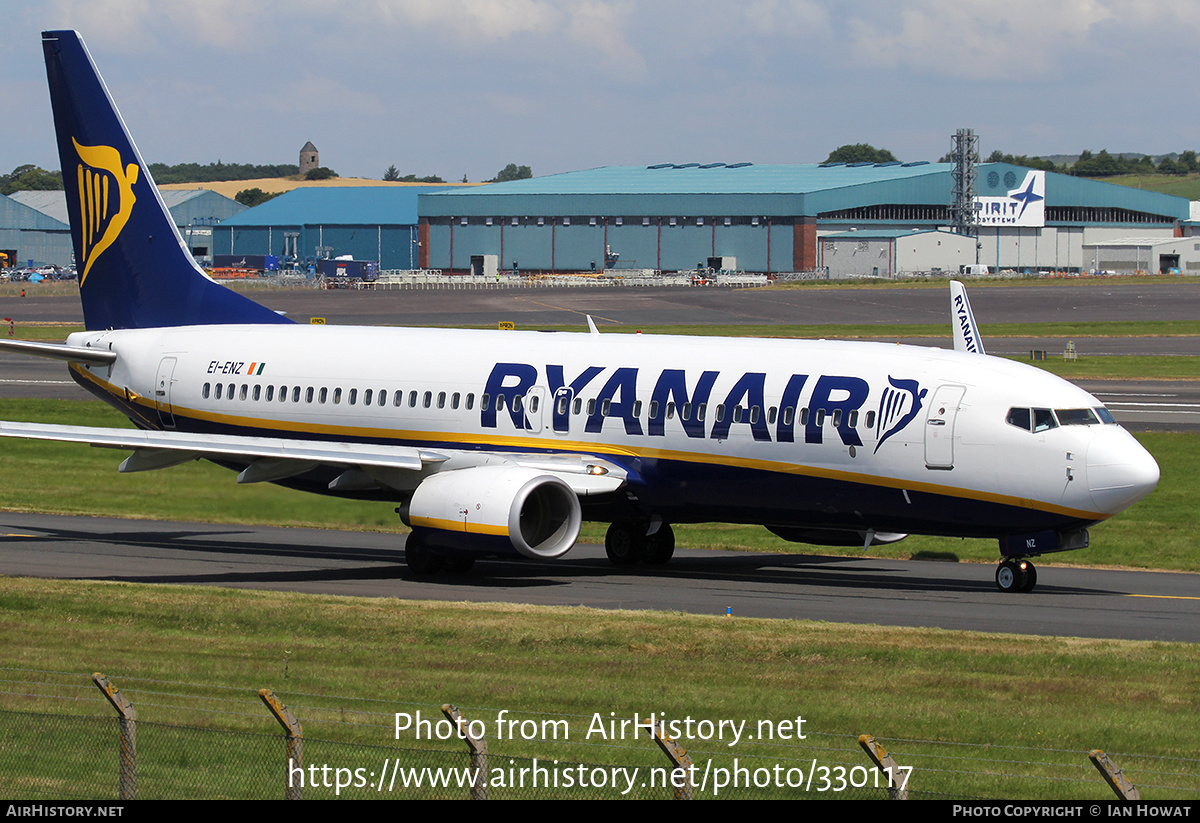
1180,185
1006,703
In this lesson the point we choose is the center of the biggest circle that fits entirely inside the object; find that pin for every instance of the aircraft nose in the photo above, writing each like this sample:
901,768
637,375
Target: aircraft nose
1119,471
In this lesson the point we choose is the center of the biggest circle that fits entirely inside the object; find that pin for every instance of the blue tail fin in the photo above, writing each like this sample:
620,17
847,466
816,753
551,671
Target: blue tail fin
134,270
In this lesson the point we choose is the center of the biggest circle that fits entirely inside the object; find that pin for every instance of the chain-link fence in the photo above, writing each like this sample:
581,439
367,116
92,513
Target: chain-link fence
228,746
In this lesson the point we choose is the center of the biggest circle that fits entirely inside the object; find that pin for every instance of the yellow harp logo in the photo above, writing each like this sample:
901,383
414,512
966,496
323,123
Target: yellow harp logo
105,199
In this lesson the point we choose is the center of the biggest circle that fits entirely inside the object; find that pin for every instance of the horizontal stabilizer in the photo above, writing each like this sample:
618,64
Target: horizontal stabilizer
59,351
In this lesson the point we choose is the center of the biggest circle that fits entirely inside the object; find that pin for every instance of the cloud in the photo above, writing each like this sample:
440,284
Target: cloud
786,18
599,26
468,21
1016,40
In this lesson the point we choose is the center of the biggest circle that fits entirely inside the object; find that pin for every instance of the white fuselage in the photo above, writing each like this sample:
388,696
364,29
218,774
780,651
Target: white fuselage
794,432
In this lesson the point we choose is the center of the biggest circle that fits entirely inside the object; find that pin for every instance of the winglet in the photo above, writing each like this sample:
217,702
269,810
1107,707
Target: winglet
592,325
966,330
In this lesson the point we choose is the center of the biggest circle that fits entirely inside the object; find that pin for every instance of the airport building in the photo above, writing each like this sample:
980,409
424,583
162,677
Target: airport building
368,222
30,237
195,212
859,218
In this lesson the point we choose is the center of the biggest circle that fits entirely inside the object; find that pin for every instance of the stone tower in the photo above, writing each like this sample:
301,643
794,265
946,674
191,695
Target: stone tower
310,158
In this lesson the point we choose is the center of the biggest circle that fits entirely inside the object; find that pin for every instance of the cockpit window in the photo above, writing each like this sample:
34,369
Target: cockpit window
1076,417
1105,415
1043,419
1019,418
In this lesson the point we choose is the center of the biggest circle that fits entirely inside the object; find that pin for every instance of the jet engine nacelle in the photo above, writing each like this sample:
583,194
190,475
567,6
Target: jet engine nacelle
497,509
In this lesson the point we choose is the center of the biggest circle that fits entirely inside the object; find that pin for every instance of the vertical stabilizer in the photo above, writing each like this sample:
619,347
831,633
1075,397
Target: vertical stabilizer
134,270
966,330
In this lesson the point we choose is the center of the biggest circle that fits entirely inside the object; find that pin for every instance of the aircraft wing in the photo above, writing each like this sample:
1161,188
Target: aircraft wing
272,458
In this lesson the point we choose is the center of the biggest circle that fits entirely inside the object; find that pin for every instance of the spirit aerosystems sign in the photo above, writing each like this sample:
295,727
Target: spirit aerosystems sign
1024,206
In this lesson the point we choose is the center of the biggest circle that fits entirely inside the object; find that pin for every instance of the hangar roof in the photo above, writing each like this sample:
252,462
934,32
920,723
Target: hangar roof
710,178
338,206
184,204
17,215
695,188
769,190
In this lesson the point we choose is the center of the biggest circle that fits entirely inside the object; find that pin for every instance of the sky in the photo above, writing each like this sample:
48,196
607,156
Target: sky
464,87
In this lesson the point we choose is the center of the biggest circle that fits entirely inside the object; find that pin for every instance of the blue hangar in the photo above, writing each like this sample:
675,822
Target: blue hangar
368,222
780,218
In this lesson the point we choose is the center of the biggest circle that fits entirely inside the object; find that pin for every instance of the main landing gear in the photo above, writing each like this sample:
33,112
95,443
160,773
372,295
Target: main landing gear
628,544
1016,576
423,561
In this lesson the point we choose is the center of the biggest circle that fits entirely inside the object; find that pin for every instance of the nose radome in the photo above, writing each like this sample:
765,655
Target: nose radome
1119,471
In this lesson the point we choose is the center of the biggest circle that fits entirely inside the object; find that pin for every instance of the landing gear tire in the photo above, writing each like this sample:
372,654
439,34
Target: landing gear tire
1010,577
1030,578
459,565
625,543
419,558
660,546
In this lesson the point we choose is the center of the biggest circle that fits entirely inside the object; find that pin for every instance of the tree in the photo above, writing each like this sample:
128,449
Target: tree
1015,160
392,174
320,173
255,197
860,153
30,178
512,172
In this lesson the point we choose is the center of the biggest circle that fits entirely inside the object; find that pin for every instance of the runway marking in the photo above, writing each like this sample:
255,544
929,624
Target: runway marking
572,311
1164,596
1122,403
41,382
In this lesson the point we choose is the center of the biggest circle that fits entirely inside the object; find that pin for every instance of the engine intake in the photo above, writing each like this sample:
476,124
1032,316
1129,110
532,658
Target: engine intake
497,509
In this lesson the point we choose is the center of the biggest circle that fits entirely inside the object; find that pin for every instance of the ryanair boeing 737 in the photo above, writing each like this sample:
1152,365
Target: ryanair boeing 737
503,442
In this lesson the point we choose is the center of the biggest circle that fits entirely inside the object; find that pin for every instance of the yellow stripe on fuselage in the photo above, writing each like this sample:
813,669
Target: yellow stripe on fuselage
451,439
